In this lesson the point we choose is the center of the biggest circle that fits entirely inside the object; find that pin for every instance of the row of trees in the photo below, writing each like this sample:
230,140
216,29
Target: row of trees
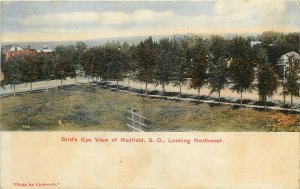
216,62
29,68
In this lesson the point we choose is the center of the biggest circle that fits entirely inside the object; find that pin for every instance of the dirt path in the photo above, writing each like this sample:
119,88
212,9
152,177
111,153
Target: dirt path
226,93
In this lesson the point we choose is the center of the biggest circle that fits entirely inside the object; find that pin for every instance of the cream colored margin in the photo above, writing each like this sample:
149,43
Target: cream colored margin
242,161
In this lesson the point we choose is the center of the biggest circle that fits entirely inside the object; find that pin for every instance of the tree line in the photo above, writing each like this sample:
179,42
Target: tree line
215,62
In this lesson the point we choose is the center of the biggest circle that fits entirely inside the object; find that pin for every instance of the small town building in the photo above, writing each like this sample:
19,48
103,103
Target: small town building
284,59
46,50
17,50
254,43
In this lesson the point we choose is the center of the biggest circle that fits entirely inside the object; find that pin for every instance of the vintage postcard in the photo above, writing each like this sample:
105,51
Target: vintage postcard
150,94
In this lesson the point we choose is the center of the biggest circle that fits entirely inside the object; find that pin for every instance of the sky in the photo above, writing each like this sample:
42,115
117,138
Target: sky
77,20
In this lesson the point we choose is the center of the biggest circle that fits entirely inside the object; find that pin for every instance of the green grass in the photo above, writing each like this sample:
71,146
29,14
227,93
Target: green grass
91,108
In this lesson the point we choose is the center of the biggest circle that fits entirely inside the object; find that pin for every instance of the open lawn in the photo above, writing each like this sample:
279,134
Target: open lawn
76,108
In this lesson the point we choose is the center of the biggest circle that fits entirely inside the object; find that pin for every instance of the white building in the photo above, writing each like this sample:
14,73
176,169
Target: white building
253,43
46,49
15,48
284,59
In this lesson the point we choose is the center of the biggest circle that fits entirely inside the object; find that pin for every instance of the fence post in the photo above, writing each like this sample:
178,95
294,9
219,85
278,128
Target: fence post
132,117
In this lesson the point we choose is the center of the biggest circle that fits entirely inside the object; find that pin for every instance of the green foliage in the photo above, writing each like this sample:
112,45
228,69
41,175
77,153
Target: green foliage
292,77
30,67
242,64
146,60
267,81
65,62
218,47
266,74
107,62
116,61
47,66
218,75
218,68
241,74
271,37
163,62
80,49
180,62
12,72
240,48
213,61
88,61
199,64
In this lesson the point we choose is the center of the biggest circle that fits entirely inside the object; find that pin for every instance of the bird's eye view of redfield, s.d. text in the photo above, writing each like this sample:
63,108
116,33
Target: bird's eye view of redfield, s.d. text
138,66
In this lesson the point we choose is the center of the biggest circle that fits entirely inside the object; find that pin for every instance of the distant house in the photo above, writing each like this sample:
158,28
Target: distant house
17,50
46,50
254,43
284,59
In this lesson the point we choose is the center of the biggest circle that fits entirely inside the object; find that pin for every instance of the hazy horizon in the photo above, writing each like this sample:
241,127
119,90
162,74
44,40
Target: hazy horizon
81,21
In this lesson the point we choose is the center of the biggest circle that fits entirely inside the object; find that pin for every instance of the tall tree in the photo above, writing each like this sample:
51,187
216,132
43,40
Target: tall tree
80,48
199,65
108,62
164,61
267,82
88,61
146,61
47,65
266,74
3,60
30,68
241,68
65,62
293,78
218,68
11,70
130,51
120,63
218,76
180,63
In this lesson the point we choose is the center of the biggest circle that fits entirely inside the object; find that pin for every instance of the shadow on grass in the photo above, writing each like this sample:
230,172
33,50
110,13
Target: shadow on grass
268,103
214,104
196,102
203,97
245,101
236,107
81,115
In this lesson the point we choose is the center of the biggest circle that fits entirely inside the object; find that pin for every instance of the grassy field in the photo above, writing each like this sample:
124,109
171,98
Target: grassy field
89,108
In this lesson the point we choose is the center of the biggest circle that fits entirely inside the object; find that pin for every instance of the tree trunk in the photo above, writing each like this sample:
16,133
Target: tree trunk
163,91
47,85
179,90
60,82
128,85
75,79
14,90
241,98
219,97
265,102
146,89
30,86
117,84
291,102
198,91
284,97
